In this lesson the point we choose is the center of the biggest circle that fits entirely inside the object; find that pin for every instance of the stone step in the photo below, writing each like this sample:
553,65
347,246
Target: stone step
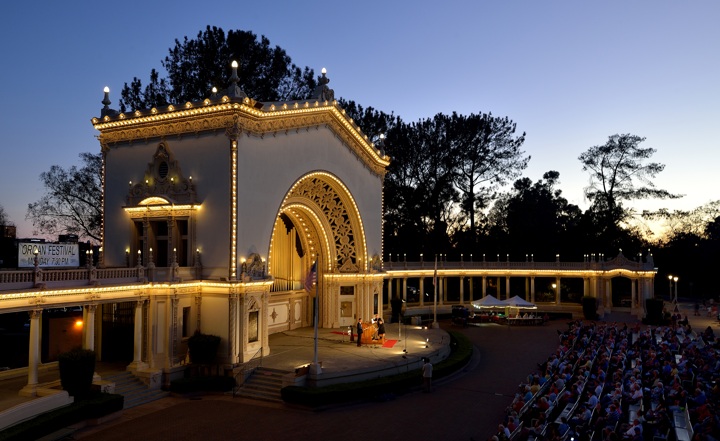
133,390
264,384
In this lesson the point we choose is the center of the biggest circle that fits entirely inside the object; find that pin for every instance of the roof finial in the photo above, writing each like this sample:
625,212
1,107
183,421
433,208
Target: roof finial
106,110
322,92
381,144
234,90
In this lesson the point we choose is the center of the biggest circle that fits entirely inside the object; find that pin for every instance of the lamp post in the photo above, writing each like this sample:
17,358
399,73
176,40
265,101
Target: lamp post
670,279
675,279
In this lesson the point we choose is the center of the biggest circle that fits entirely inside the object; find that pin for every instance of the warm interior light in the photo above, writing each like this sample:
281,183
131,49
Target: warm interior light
78,323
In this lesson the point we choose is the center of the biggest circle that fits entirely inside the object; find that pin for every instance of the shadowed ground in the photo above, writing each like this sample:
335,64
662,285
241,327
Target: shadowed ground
468,406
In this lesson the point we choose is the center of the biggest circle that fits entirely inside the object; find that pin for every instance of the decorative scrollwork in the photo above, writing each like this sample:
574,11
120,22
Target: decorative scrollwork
163,178
254,267
329,201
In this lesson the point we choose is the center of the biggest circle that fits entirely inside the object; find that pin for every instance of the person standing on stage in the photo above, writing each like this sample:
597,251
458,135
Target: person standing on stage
359,331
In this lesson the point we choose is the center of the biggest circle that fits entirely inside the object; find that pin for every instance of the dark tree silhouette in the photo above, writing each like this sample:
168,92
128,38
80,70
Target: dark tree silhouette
195,66
619,173
72,202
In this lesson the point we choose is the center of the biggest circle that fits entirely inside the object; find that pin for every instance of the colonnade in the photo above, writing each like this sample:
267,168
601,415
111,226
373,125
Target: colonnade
595,285
35,344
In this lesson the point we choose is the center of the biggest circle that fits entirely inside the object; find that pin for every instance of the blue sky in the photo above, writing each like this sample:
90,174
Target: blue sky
569,73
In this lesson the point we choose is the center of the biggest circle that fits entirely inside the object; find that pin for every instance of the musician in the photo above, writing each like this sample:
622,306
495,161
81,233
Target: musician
381,329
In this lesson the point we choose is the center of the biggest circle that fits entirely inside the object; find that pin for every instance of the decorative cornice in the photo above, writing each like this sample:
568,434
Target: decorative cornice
235,115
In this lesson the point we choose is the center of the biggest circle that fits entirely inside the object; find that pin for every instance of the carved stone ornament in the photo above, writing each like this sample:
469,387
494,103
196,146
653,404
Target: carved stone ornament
376,263
255,267
164,179
252,303
341,220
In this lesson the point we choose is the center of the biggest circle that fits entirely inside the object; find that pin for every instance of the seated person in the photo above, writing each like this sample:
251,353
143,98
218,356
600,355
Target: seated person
381,329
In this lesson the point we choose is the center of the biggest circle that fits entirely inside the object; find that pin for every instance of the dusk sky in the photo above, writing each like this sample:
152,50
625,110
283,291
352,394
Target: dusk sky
569,73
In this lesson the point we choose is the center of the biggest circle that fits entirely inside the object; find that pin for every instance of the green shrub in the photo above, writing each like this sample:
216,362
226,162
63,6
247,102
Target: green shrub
589,306
203,348
77,368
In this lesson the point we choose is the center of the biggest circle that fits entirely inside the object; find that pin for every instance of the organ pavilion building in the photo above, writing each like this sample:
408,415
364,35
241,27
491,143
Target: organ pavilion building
216,211
224,205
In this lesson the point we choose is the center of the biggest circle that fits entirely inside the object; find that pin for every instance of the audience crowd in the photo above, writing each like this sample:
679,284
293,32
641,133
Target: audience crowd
609,382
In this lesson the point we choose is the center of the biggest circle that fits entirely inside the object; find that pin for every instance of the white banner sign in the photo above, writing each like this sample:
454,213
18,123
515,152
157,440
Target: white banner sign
50,255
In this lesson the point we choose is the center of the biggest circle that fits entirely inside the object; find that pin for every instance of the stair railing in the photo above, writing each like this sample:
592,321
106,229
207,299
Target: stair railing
246,369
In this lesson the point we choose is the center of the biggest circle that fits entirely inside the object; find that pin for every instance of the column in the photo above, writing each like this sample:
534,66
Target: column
171,245
633,293
497,287
462,290
146,240
527,289
89,328
470,283
404,288
607,295
441,286
137,362
174,302
422,291
507,287
234,348
484,286
532,289
557,290
30,390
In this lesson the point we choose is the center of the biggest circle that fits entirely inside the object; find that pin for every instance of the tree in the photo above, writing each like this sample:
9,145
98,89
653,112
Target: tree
489,156
696,222
72,202
691,247
619,173
195,66
535,218
419,192
4,219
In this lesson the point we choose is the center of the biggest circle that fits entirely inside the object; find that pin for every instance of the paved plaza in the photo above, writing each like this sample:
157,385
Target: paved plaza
467,406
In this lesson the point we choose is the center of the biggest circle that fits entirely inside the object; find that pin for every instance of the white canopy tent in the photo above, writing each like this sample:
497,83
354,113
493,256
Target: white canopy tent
519,302
489,301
